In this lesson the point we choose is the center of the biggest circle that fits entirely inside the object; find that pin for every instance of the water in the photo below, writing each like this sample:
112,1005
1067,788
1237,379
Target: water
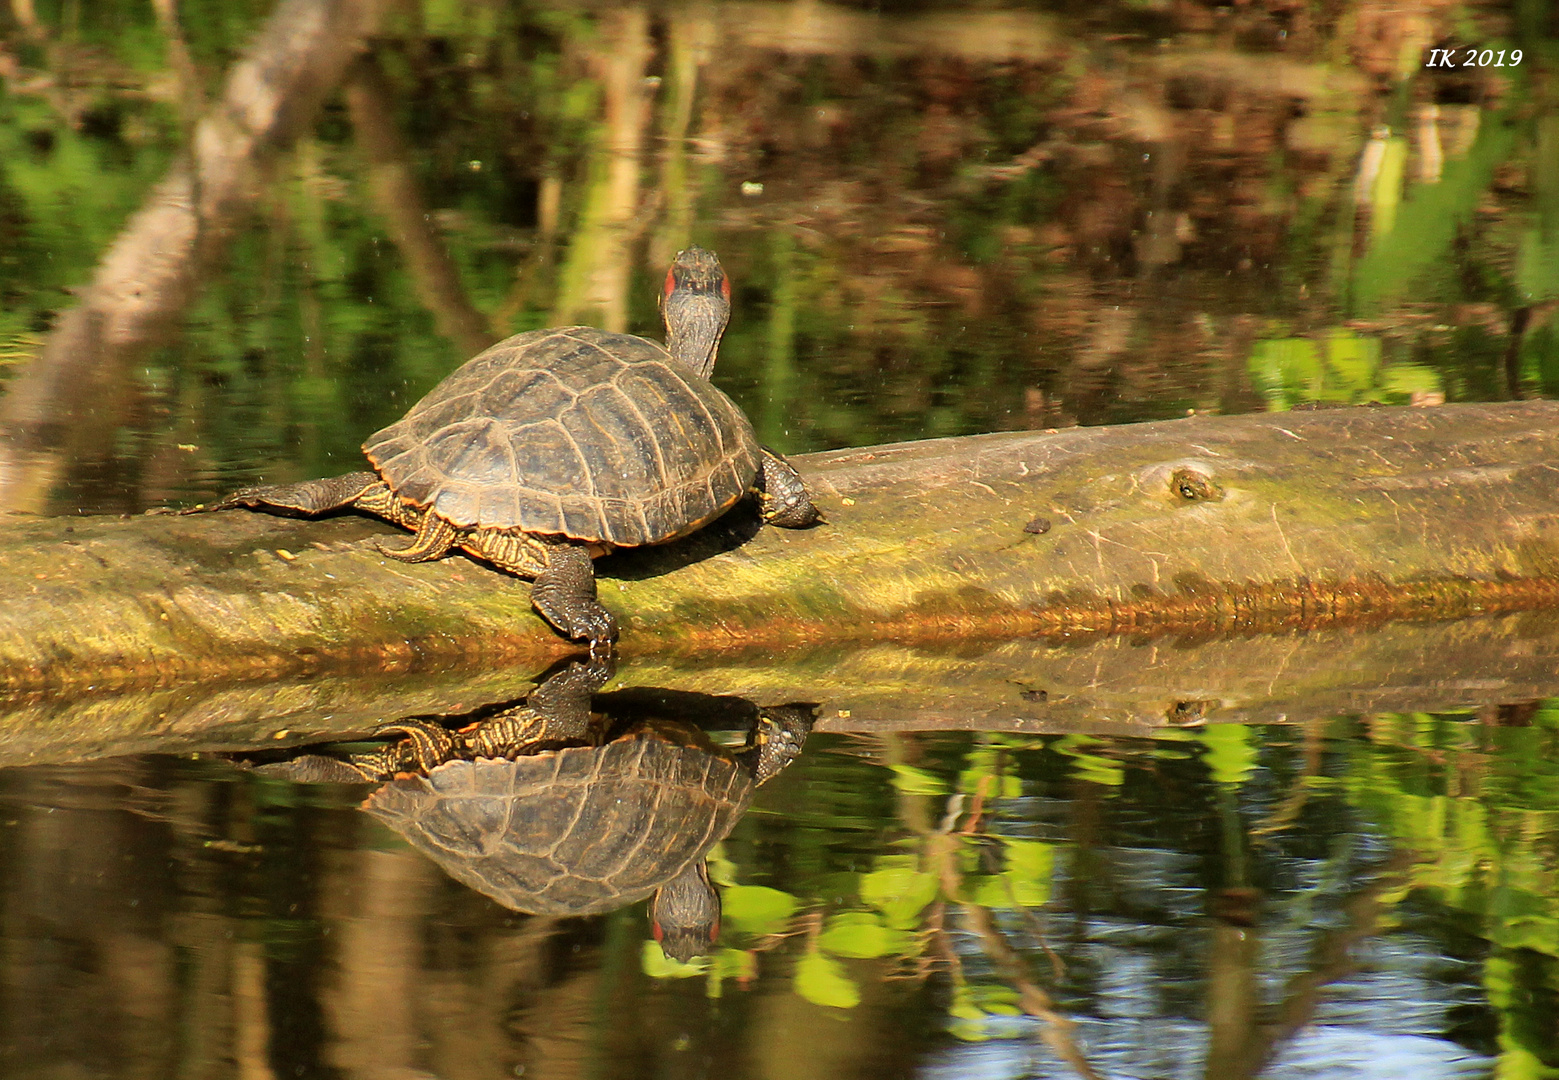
896,905
939,219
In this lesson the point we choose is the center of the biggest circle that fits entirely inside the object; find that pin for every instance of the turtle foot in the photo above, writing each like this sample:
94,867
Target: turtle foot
591,623
564,593
784,497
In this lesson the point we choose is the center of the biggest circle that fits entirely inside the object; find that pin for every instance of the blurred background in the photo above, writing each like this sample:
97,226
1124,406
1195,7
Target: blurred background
939,219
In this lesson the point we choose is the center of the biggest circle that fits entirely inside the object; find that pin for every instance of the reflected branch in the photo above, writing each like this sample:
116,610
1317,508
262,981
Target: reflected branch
595,278
394,186
1247,1057
1055,1028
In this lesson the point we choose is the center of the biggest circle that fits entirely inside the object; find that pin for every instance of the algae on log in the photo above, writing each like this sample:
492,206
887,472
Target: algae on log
1208,525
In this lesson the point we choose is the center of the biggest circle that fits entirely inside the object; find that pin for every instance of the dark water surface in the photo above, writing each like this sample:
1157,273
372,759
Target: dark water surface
1363,898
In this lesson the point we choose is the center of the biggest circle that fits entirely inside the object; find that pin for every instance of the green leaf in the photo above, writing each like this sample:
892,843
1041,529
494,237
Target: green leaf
758,909
657,965
963,1005
722,871
726,964
731,963
862,935
993,998
1030,867
1230,755
821,980
899,893
969,1030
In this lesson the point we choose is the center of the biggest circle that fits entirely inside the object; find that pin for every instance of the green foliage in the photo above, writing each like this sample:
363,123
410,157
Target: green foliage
915,781
821,980
972,1006
1230,753
657,965
1424,227
757,909
863,935
1087,765
1338,366
899,890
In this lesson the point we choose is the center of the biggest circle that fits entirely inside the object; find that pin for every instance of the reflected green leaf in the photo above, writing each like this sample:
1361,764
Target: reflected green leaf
1230,755
901,894
916,781
657,965
757,909
821,980
862,935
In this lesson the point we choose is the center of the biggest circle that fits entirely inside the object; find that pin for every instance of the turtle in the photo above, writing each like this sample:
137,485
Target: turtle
524,807
556,446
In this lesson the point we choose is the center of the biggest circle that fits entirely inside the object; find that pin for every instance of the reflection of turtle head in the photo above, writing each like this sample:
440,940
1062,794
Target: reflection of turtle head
685,913
587,829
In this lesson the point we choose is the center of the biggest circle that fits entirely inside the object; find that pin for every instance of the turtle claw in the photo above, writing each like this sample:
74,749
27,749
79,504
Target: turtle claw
597,627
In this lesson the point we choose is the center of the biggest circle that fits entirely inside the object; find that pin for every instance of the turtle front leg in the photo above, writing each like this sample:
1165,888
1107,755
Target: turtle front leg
557,712
309,497
777,737
564,593
783,495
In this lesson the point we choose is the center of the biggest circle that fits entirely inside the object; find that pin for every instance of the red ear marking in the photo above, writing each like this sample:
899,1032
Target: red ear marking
671,283
655,929
725,287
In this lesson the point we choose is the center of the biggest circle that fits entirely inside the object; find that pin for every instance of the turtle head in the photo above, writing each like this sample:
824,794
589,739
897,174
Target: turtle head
696,303
685,913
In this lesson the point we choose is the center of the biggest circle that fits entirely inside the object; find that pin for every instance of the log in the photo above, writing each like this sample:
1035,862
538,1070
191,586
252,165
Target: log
1203,526
1102,686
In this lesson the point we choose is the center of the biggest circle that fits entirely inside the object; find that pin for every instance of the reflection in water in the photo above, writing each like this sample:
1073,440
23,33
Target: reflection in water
1353,899
550,813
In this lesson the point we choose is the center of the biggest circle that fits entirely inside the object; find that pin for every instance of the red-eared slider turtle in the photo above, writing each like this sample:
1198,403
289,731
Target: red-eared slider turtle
556,446
573,829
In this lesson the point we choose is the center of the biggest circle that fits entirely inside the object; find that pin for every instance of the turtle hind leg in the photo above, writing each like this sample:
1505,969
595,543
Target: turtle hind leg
424,748
434,538
564,593
309,497
783,495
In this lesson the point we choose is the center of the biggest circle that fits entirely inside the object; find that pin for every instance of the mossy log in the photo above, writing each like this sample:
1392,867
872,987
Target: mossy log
1104,686
1191,528
1206,524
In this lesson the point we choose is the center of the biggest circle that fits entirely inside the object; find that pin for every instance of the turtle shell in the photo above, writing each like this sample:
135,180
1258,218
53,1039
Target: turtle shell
572,432
577,831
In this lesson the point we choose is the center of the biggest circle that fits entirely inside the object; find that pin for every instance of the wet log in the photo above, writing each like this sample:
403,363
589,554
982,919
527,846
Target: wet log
1202,527
1102,686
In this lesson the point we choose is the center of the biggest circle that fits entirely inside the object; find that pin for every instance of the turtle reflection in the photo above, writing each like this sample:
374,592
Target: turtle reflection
549,811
